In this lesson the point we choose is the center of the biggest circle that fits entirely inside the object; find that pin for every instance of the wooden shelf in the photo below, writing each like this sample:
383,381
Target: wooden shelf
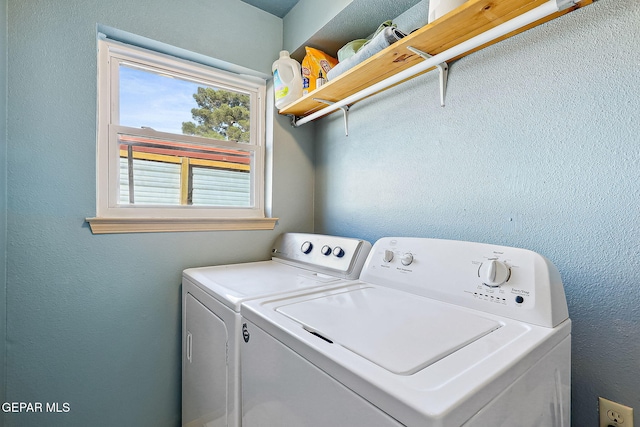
472,18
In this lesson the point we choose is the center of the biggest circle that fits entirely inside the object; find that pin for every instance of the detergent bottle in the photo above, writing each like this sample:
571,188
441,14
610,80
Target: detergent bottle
287,80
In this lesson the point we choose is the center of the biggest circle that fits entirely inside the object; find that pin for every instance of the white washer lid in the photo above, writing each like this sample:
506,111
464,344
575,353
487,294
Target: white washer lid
402,333
235,283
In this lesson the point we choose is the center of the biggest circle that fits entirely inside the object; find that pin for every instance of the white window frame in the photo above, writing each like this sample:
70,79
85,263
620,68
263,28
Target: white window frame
114,218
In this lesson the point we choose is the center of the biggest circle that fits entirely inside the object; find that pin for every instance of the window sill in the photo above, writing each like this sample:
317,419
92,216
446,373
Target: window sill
159,225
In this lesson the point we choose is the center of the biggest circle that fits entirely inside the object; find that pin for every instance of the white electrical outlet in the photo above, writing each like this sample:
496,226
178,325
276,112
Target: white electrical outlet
613,414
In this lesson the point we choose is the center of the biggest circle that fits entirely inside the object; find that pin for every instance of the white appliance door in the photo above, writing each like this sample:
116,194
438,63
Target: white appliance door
282,389
204,401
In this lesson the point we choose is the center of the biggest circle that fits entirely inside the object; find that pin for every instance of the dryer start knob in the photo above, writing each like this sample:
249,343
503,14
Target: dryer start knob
306,247
338,252
407,259
494,273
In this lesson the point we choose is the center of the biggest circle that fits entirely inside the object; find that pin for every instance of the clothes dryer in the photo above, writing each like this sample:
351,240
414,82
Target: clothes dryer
435,333
212,330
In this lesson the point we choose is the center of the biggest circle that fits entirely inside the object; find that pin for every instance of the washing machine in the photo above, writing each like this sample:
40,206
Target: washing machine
211,322
435,333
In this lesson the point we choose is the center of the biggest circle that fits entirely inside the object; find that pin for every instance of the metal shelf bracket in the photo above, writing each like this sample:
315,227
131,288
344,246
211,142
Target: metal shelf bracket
345,112
443,68
294,120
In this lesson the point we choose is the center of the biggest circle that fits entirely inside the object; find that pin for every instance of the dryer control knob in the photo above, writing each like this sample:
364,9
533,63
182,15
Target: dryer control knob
338,251
407,258
388,256
494,273
306,247
326,250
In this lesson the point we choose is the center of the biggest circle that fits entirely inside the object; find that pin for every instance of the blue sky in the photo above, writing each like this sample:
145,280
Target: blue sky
154,100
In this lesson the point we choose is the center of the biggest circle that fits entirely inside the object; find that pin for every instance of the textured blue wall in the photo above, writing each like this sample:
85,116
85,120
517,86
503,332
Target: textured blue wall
537,147
95,320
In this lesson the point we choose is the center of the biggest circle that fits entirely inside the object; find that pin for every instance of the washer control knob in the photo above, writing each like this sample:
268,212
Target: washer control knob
326,250
338,251
388,256
407,258
494,273
306,247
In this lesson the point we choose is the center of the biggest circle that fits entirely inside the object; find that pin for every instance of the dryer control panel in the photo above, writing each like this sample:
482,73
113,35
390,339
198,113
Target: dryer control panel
334,255
510,282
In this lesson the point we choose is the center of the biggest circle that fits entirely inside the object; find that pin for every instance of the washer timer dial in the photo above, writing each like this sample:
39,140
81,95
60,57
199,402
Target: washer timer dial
494,273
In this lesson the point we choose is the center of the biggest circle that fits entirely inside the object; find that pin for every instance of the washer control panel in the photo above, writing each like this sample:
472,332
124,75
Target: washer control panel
334,255
511,282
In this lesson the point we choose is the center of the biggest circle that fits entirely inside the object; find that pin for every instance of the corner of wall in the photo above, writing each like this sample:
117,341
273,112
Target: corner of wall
305,19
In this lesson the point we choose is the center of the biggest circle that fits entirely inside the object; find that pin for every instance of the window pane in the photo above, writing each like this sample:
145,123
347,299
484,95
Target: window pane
217,187
157,171
155,183
168,103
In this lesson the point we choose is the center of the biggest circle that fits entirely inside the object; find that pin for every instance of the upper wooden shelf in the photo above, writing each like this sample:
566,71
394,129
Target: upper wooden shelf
472,18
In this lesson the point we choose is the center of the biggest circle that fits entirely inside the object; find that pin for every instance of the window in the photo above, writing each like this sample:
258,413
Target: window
180,145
